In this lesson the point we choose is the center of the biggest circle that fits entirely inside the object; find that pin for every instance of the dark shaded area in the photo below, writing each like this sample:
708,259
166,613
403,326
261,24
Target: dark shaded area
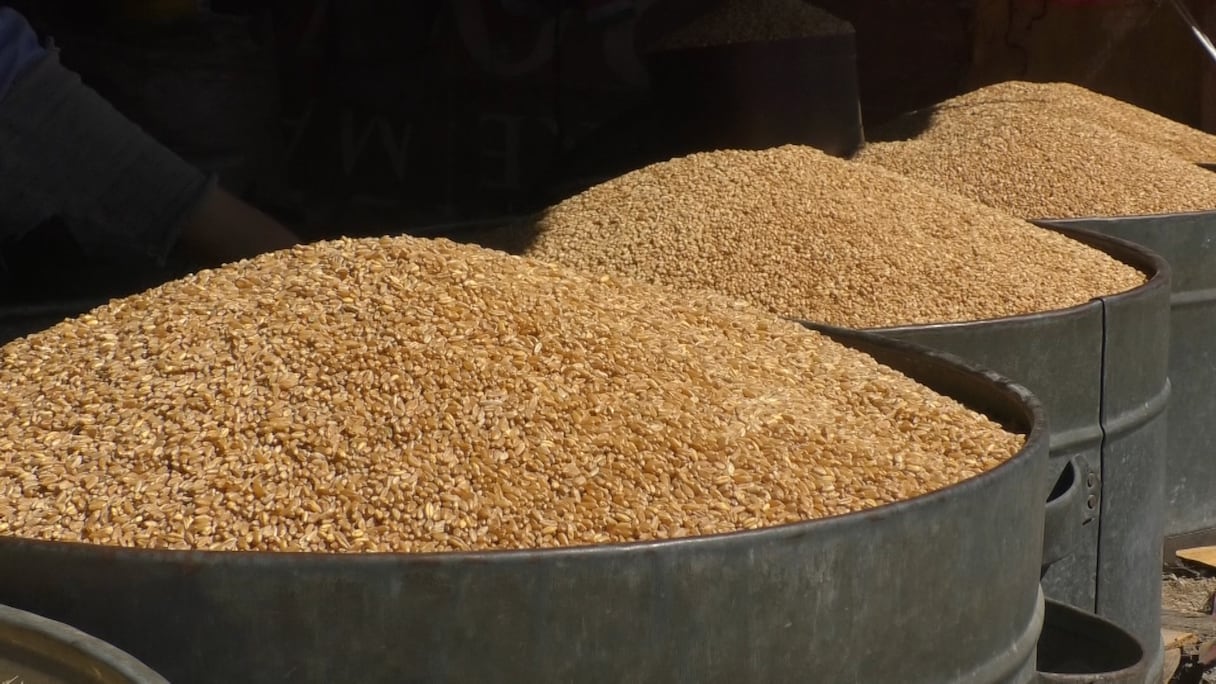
748,96
911,53
1076,643
433,118
512,235
48,263
903,127
46,277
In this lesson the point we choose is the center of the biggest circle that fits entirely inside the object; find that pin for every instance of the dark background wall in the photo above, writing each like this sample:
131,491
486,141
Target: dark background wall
364,116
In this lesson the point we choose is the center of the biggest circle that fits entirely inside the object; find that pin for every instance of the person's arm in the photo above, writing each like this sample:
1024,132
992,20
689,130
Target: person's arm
65,151
222,228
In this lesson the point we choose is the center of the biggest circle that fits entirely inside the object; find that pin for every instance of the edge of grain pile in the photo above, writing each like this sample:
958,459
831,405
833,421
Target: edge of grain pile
808,236
1124,118
1044,162
417,395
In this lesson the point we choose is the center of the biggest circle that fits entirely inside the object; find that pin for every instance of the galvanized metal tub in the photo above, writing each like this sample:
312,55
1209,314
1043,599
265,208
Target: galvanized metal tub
1100,370
1188,242
941,588
35,650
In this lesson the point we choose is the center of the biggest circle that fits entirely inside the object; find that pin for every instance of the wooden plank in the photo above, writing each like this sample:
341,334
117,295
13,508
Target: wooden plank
1173,638
1203,555
1173,658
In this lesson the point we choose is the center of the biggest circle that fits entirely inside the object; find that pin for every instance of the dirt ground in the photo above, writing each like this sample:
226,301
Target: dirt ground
1182,591
1188,624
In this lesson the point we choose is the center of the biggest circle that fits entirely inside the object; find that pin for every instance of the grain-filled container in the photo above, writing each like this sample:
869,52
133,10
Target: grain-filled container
1186,242
1100,371
326,394
1113,168
1079,319
35,650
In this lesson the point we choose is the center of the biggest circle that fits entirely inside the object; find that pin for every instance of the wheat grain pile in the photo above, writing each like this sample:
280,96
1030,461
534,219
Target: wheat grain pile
1031,163
414,395
812,237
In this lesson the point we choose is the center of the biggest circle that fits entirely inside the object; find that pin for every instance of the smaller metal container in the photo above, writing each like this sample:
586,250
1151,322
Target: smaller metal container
35,650
1100,370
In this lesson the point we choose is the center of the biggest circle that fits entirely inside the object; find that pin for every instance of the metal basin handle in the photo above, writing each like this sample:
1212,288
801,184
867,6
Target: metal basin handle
1065,514
1077,647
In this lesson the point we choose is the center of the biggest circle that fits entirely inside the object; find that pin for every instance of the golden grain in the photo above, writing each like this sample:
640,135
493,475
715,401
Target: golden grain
1035,163
450,398
809,236
1124,118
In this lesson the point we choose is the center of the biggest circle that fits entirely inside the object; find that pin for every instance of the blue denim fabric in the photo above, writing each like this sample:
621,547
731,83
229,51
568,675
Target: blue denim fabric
19,48
65,152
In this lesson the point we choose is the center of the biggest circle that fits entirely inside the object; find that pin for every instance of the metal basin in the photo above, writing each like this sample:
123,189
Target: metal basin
1100,370
937,589
35,650
1188,242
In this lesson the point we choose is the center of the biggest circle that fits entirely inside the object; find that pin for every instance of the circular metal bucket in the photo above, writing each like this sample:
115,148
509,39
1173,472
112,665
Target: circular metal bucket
35,650
1100,370
937,589
1188,242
